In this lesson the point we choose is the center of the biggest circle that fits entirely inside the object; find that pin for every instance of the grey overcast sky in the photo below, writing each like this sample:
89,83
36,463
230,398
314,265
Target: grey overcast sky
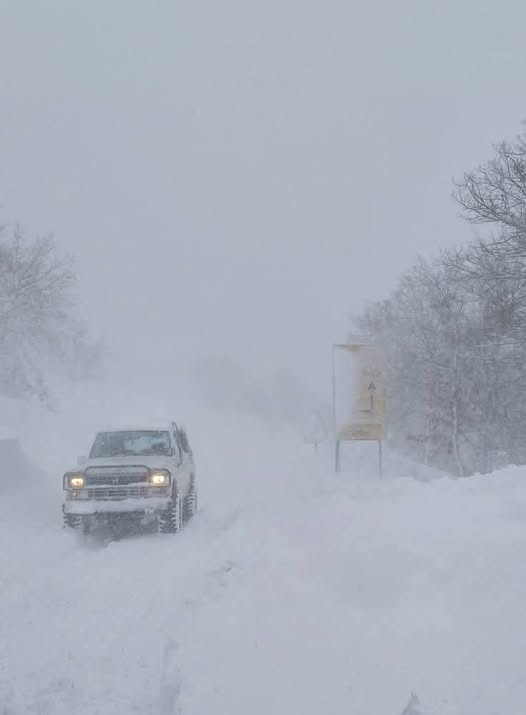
237,177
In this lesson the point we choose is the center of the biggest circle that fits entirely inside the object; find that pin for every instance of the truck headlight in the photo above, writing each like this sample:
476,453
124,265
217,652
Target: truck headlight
74,480
159,478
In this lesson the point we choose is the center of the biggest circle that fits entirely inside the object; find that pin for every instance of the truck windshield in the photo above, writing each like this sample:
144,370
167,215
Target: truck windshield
131,444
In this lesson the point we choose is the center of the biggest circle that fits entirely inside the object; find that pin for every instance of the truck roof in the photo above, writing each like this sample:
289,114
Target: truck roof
142,426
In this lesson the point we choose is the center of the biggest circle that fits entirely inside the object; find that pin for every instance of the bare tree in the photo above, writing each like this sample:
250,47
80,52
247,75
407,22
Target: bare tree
454,332
455,369
39,332
495,194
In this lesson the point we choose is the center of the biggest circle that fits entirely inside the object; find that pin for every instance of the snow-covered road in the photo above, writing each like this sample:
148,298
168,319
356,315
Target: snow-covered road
293,591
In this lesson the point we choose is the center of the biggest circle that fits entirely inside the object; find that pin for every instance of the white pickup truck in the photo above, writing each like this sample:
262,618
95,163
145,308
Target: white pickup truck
144,474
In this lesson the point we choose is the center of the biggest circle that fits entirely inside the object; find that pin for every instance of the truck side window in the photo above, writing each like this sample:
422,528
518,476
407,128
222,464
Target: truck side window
184,442
177,447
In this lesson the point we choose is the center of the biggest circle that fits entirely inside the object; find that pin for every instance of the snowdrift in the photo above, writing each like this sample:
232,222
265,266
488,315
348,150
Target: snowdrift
17,471
294,589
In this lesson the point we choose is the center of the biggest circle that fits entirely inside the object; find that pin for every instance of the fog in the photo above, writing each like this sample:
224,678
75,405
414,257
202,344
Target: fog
237,178
234,180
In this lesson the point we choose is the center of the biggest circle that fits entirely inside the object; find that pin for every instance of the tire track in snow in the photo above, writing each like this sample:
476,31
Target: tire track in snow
97,630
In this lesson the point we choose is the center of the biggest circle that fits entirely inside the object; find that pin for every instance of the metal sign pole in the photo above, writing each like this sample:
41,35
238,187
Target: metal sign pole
380,461
337,456
334,425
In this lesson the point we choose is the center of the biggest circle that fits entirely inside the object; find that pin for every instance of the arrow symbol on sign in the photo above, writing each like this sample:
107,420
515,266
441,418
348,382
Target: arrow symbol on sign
372,390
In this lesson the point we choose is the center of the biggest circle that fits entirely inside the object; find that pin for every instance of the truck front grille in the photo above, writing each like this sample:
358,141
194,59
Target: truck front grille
116,476
116,493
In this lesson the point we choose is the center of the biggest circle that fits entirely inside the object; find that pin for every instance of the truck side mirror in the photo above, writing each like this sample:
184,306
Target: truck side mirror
81,461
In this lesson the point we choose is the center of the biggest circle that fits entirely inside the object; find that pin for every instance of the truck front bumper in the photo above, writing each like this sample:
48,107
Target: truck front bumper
115,500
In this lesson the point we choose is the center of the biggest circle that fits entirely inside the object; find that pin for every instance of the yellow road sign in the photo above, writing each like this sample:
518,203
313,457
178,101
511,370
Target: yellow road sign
359,393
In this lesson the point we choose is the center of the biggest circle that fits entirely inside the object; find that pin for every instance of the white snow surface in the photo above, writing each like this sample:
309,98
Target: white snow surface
293,591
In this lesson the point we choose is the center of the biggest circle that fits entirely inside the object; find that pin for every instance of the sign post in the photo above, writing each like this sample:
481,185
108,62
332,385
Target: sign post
358,396
334,416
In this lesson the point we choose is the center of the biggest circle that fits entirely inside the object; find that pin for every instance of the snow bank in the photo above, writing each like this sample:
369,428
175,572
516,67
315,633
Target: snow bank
16,470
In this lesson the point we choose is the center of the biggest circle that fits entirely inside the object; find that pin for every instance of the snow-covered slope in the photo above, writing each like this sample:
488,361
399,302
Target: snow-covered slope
293,591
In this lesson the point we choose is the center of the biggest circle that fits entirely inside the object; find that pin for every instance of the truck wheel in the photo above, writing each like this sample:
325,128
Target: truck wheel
171,519
72,521
190,504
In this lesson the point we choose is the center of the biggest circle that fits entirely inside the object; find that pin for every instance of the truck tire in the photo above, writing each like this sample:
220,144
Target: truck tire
171,519
72,521
190,503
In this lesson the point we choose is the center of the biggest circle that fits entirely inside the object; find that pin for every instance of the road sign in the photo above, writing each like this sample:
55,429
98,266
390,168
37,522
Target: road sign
358,392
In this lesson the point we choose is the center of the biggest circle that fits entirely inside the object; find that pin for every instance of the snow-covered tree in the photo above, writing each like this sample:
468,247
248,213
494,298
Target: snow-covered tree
39,333
454,333
423,328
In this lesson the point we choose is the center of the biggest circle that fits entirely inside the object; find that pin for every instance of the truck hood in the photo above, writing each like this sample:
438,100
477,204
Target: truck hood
151,461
